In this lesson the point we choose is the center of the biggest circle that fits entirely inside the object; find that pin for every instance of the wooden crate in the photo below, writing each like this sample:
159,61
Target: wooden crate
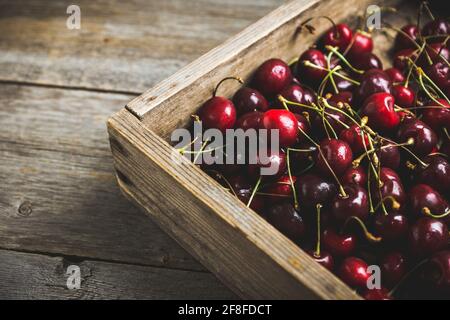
236,244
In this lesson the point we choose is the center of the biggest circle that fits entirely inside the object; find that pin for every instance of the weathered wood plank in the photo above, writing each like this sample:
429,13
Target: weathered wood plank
122,45
58,193
36,276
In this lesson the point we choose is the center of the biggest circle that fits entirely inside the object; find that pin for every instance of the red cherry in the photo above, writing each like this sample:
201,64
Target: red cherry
439,73
395,75
338,36
292,92
284,121
355,204
436,173
423,197
436,27
313,190
336,155
303,127
372,81
379,108
391,227
342,97
427,236
218,113
389,156
377,294
404,96
356,176
308,74
407,41
247,100
272,77
367,61
362,43
243,190
437,116
355,138
272,159
393,268
288,220
401,58
437,272
392,188
334,118
338,245
280,190
353,271
437,52
249,120
425,139
325,259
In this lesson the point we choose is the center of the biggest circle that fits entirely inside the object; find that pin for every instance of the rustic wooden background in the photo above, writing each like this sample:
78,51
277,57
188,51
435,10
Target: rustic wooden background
59,202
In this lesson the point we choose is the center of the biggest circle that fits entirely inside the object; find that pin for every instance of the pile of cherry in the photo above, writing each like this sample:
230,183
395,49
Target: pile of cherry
363,166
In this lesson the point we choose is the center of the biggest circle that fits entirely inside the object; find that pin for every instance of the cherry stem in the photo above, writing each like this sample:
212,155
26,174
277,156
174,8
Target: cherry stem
406,276
200,151
294,193
395,204
342,57
367,233
225,79
317,252
427,212
255,189
311,29
312,65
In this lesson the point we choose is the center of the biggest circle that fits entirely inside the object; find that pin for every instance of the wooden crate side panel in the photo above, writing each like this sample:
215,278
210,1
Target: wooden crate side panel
240,247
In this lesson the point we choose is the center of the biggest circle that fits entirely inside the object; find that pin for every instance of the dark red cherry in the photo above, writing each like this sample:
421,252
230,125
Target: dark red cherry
353,271
437,116
303,127
288,220
393,268
367,61
437,27
334,118
436,174
445,148
340,83
335,155
324,258
401,59
425,139
284,121
338,36
292,92
377,294
437,52
437,272
395,75
354,204
424,199
313,190
372,81
355,138
243,190
249,120
404,96
309,96
379,108
362,43
389,156
309,74
341,97
407,41
247,100
338,245
280,190
439,73
272,77
391,188
218,113
391,227
269,163
427,236
356,176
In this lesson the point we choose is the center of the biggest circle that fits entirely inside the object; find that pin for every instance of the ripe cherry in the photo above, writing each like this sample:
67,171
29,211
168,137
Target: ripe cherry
439,73
273,161
338,245
285,218
391,227
401,58
355,138
311,74
393,268
404,96
391,191
372,81
423,199
272,77
249,120
280,190
309,96
303,127
356,176
353,271
247,100
324,258
424,138
437,116
436,27
339,36
427,236
436,173
389,156
437,272
367,61
407,38
292,92
333,118
361,43
341,97
243,190
218,113
379,108
334,156
285,122
395,75
313,190
437,52
354,204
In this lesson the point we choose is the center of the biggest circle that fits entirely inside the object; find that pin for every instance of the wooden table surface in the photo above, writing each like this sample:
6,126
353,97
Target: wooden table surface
59,201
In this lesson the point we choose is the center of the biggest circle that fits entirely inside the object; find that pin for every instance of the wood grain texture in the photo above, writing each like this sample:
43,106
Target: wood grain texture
58,192
34,276
241,248
126,46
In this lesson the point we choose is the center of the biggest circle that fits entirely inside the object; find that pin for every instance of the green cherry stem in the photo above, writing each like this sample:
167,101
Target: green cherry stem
317,251
255,189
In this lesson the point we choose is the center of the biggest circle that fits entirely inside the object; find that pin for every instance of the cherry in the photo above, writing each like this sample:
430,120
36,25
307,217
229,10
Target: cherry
439,73
424,138
243,190
353,271
324,258
379,108
333,117
437,52
355,138
218,113
437,116
391,188
310,74
249,120
292,92
285,218
391,227
389,156
395,75
338,245
361,43
435,28
400,58
393,268
274,159
424,199
284,121
436,173
280,190
377,294
367,61
356,176
341,97
313,190
339,36
372,81
354,204
427,236
404,96
248,100
272,77
340,83
407,41
445,148
334,156
303,127
437,271
309,96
